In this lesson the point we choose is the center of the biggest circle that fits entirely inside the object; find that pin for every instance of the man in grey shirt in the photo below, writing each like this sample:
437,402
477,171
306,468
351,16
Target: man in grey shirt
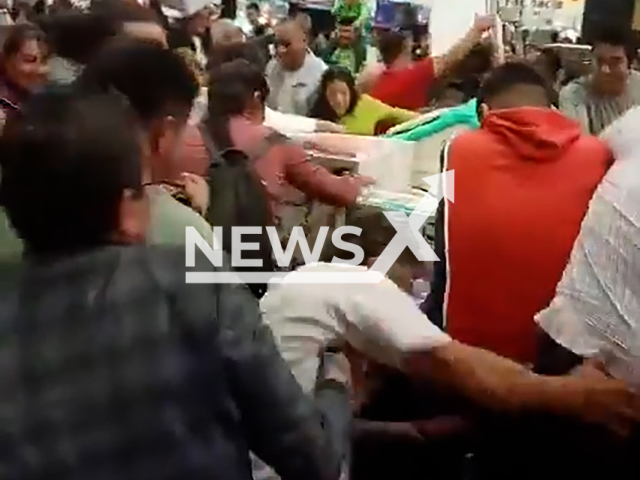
613,88
295,73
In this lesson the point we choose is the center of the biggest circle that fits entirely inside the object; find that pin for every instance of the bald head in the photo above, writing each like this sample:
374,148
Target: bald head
224,32
291,44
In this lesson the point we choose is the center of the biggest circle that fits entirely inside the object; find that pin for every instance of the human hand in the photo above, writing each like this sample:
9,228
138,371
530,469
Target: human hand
605,401
483,23
364,181
336,367
197,189
440,427
328,127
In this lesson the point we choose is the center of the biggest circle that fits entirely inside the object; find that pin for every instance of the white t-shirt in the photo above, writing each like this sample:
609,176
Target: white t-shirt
379,320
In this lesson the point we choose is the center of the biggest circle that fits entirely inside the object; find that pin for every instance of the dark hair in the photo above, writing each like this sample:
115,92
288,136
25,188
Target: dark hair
78,36
252,6
225,53
123,11
18,35
391,45
616,36
232,86
508,75
552,60
321,109
346,21
376,234
156,81
64,172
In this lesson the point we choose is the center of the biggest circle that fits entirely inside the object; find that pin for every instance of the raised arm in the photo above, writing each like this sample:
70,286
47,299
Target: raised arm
443,63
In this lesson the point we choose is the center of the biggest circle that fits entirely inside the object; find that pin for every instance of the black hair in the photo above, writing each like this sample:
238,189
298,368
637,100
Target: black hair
346,21
63,175
78,36
477,62
232,86
616,36
508,75
321,109
391,44
252,6
18,35
551,60
156,81
225,53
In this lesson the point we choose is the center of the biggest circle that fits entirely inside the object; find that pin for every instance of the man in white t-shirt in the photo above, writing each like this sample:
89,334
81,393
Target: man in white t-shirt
385,324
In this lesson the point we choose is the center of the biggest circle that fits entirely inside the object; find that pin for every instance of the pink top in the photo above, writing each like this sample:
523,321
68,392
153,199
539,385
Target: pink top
285,170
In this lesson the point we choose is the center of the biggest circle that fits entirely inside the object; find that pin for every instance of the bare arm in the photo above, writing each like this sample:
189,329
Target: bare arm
501,384
442,64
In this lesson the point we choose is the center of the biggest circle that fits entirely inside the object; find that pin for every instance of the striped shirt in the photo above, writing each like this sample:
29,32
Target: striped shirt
597,113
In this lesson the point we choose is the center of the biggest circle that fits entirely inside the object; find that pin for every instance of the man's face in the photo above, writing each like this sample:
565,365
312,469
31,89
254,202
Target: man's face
253,16
611,69
345,35
291,45
164,144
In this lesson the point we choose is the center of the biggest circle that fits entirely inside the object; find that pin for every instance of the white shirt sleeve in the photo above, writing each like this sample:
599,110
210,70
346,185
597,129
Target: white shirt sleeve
383,318
288,124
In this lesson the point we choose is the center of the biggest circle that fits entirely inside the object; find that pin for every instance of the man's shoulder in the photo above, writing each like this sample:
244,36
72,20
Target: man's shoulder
574,90
170,219
314,64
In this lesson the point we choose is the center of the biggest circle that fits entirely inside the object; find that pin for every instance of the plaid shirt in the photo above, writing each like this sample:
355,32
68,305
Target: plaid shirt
112,368
100,374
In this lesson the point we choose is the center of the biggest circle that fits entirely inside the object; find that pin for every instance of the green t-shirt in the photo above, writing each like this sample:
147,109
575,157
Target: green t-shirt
344,57
169,218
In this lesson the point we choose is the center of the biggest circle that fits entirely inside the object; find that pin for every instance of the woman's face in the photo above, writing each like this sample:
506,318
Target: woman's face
339,97
28,67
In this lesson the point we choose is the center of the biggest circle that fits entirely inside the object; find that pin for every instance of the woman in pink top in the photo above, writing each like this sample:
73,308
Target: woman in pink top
237,93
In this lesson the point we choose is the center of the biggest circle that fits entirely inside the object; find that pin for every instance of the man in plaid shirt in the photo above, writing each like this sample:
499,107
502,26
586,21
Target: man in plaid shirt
111,367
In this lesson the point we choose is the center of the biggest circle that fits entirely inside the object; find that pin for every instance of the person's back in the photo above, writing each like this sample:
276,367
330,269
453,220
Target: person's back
112,365
116,356
235,121
517,212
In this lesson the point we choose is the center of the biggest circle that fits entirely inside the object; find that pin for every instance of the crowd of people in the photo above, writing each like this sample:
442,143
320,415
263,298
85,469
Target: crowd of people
123,128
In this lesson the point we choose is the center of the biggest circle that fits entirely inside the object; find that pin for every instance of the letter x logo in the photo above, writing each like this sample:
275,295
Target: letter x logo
408,234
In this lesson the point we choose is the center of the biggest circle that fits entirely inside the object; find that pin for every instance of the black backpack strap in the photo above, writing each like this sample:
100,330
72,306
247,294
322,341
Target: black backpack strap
215,157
